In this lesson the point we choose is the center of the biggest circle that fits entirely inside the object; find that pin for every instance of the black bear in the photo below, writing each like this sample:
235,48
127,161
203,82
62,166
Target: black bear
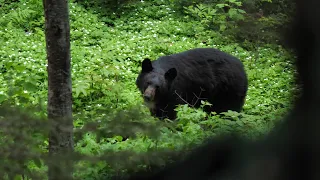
191,76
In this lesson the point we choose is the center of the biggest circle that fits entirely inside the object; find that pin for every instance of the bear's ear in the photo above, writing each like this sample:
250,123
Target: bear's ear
171,74
146,65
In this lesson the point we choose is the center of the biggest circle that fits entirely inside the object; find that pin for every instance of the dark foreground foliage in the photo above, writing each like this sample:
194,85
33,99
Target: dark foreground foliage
291,151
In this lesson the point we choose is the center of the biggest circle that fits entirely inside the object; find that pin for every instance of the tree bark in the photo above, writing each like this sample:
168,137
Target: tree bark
57,31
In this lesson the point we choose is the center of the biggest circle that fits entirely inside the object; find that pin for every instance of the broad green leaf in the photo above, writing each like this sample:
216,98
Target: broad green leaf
30,86
2,98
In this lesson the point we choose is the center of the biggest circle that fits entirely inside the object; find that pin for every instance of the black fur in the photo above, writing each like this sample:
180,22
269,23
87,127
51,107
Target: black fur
192,76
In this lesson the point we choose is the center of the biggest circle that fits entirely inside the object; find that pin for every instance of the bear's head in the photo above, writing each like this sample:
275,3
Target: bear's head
154,83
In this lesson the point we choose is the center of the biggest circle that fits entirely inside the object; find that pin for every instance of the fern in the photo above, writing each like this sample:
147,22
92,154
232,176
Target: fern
25,14
20,16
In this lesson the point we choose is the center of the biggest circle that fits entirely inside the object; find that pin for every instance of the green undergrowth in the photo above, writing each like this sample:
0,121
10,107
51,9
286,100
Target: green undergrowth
107,47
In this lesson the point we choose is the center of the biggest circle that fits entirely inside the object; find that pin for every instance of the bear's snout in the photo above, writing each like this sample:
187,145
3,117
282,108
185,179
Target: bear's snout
149,93
147,97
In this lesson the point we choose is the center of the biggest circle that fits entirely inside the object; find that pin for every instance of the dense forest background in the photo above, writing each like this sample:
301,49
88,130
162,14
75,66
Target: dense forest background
109,39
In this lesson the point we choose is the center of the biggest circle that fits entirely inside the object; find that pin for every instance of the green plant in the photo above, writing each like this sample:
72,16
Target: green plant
221,14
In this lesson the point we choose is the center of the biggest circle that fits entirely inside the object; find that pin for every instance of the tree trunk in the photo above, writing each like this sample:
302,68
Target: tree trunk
57,31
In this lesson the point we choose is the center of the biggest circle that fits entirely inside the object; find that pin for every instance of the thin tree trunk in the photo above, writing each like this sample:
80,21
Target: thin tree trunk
57,31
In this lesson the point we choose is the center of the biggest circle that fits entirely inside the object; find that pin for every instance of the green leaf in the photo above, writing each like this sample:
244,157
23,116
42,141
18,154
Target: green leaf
81,87
30,86
241,11
19,68
221,5
118,138
240,123
223,27
2,98
232,13
17,177
38,163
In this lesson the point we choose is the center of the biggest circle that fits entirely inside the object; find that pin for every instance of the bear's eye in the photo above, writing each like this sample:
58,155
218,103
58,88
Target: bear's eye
147,85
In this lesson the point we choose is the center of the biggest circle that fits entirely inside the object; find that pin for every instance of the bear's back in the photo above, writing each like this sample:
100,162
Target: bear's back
201,66
195,57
